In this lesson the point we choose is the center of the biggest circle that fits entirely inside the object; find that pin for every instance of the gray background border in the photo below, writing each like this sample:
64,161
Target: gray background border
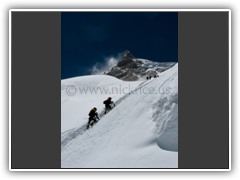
203,58
202,39
36,95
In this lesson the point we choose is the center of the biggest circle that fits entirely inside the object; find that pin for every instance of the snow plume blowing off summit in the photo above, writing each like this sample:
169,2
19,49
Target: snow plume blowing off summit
108,63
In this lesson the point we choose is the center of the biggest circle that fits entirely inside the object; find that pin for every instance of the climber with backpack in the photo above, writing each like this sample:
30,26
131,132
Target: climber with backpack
108,104
92,117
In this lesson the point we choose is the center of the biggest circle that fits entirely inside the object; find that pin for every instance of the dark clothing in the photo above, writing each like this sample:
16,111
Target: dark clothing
92,113
92,117
107,103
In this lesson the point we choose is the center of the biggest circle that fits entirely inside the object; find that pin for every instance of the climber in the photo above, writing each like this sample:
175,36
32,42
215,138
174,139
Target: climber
108,104
92,117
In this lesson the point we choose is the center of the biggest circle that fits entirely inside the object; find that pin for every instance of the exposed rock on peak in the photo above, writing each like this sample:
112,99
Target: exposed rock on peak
130,68
128,61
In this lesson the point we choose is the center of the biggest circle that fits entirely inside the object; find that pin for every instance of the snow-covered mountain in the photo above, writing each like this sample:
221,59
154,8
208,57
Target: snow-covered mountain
130,68
140,132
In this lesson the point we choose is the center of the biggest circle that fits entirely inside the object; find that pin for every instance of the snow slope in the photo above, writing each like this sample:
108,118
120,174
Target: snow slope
140,132
76,106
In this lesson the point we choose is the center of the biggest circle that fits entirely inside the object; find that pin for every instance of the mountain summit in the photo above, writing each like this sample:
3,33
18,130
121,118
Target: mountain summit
128,61
130,68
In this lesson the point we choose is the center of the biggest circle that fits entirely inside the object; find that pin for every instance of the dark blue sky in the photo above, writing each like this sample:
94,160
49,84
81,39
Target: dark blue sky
89,37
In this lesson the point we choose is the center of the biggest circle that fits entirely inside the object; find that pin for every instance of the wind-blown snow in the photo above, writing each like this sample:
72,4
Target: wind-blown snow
154,64
140,132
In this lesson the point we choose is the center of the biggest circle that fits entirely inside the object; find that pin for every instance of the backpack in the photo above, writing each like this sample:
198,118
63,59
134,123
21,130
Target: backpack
92,112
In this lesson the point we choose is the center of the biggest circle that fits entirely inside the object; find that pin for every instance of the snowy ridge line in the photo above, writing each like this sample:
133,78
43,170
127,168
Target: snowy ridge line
140,132
166,119
73,133
161,125
168,79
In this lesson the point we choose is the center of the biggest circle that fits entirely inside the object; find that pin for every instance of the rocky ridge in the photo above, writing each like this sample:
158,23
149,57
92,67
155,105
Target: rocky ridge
130,68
